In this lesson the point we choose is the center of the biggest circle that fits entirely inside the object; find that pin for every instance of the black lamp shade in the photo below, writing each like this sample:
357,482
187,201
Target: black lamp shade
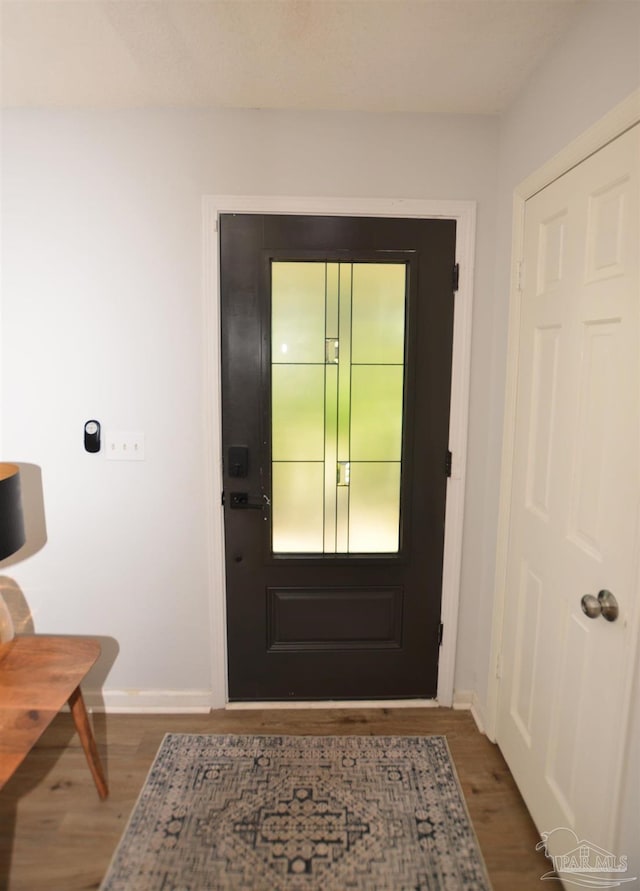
11,520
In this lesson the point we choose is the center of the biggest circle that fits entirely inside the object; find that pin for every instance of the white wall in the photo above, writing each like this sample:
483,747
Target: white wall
102,318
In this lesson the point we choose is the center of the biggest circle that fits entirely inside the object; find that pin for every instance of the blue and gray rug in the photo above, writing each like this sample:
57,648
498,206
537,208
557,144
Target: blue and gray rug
299,813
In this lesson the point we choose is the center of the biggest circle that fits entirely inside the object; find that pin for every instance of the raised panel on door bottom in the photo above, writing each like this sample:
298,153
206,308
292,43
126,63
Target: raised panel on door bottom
347,618
526,650
566,708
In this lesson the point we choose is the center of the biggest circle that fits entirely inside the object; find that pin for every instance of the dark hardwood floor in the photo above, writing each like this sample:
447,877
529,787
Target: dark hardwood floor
56,835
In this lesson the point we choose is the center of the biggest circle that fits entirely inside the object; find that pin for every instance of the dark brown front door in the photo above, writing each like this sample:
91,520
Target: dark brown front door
336,377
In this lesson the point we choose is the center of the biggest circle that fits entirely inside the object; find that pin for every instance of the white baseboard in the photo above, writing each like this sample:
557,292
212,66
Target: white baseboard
149,702
154,702
468,699
463,699
337,703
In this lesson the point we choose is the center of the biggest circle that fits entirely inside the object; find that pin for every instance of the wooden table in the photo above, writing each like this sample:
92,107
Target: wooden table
38,675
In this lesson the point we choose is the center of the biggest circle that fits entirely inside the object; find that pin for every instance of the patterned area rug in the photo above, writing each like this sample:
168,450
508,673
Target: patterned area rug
292,813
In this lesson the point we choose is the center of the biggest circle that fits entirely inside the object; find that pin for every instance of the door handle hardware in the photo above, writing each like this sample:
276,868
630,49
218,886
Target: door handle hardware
238,463
605,605
240,501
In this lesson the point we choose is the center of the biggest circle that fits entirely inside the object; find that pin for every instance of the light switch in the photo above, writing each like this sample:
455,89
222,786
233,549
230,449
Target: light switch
124,446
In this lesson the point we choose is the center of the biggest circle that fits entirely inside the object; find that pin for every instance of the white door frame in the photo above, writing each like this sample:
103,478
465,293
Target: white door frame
464,212
619,119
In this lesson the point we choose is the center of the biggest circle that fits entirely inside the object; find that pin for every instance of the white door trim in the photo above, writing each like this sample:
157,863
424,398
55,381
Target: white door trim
464,212
616,122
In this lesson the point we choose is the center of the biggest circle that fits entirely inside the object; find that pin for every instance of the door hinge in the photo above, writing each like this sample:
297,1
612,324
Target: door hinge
448,462
456,277
520,274
440,634
222,499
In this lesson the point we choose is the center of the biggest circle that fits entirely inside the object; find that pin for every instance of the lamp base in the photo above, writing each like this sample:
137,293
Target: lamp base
7,631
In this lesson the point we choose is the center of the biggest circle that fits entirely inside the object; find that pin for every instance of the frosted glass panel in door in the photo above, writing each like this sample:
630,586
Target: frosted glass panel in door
298,311
297,408
374,507
297,506
378,313
337,385
376,412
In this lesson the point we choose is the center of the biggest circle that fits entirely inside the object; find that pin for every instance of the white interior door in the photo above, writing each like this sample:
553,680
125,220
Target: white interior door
566,678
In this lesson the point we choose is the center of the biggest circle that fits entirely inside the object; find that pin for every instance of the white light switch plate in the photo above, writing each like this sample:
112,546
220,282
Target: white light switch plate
124,446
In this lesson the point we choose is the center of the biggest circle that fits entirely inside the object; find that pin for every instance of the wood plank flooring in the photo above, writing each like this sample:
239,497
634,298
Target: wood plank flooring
56,834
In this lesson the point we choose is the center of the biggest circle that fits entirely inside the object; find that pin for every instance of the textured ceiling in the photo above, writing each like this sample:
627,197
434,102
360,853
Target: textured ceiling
455,56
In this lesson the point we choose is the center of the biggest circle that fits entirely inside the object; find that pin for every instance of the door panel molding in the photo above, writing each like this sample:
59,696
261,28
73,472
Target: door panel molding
464,212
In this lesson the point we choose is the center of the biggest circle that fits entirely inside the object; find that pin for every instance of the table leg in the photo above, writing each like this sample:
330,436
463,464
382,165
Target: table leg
81,720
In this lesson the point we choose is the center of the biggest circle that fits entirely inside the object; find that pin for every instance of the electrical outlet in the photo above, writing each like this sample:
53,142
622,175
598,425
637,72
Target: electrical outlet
124,446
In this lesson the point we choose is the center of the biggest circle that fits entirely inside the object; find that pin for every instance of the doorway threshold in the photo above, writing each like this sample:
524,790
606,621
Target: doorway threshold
336,703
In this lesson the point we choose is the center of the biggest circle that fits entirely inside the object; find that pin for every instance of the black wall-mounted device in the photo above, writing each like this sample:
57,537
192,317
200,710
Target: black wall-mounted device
92,436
